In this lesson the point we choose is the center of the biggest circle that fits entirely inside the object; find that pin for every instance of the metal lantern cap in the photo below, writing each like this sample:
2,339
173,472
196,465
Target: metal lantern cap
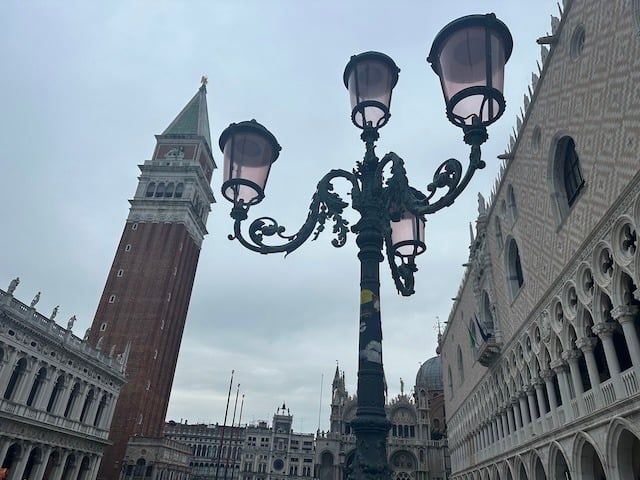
469,55
370,78
249,126
249,150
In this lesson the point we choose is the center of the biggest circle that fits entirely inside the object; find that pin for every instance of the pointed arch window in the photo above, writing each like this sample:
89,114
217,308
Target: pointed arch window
487,313
460,366
450,380
498,228
515,277
473,339
572,175
566,180
511,204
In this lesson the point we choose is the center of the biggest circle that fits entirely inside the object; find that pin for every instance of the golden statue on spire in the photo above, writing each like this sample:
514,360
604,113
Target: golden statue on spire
204,80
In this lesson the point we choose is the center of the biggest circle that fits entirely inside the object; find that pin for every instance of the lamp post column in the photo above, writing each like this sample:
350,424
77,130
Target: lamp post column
370,424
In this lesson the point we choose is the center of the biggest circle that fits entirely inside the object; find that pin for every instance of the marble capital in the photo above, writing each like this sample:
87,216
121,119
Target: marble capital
586,344
604,329
547,374
571,355
625,313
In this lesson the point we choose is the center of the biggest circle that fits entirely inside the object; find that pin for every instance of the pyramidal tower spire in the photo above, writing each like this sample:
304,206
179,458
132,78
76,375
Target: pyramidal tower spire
194,117
143,308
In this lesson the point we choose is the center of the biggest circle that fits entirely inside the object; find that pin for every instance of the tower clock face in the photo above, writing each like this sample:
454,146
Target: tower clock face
278,464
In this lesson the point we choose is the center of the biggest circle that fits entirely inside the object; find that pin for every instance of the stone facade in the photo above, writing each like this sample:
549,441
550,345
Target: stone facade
58,396
541,354
251,452
207,460
278,453
416,445
156,459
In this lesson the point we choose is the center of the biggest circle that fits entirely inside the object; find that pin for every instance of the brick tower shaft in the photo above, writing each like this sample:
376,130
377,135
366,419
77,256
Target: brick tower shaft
143,308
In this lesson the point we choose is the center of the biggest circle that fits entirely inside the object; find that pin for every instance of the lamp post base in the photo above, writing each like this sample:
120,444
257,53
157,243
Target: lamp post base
370,460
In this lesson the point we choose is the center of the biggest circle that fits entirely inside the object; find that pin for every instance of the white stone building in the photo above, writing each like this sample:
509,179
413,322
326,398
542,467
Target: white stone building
277,452
544,384
214,451
57,396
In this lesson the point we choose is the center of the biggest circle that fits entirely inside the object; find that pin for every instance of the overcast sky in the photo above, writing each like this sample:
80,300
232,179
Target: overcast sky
84,88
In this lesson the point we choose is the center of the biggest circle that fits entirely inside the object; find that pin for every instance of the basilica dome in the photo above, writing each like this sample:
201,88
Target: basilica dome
429,375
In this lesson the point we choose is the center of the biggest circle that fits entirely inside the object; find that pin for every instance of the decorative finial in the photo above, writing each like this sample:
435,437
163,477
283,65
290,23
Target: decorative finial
204,80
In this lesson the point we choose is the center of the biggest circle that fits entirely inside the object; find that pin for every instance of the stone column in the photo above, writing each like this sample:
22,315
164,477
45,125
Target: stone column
512,426
26,382
18,468
76,410
57,472
494,427
63,397
7,368
526,418
560,368
542,404
93,408
38,473
108,413
46,389
605,330
517,414
547,375
505,422
625,315
95,467
76,467
587,345
533,411
572,357
5,443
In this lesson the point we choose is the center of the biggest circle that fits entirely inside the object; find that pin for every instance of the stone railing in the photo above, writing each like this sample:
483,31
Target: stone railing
45,418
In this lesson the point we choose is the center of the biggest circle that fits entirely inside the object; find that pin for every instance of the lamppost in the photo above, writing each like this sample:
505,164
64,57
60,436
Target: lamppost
469,56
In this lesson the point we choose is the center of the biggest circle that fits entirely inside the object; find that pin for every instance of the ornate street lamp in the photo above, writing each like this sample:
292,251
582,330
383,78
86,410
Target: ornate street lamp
469,56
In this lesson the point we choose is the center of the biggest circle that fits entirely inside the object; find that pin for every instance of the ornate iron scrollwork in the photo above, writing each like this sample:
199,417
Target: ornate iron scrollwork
325,205
393,196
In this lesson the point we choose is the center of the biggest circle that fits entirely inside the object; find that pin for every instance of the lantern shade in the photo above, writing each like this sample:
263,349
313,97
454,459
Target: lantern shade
370,78
249,150
469,56
407,235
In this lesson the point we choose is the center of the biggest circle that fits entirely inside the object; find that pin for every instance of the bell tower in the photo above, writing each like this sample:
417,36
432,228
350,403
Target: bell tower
338,399
143,308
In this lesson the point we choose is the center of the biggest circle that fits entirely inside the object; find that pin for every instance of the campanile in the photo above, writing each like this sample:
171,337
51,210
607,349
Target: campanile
142,311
